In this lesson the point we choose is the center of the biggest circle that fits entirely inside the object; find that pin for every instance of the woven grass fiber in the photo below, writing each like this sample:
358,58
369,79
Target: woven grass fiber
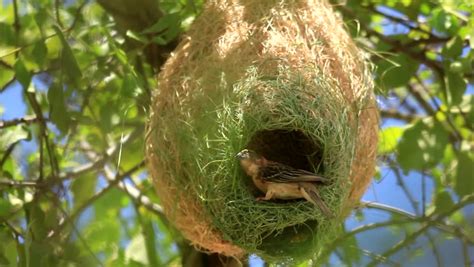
282,78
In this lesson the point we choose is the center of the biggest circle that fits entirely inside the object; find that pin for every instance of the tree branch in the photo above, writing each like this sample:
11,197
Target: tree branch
56,12
6,154
433,220
443,226
14,183
414,203
42,131
76,15
13,229
395,114
432,37
112,183
6,65
134,193
16,22
397,45
67,218
29,119
97,162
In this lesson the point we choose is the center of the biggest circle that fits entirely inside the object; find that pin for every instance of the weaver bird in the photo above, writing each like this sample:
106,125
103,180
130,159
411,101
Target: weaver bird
280,181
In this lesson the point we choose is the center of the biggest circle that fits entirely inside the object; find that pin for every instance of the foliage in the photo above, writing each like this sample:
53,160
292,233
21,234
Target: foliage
75,85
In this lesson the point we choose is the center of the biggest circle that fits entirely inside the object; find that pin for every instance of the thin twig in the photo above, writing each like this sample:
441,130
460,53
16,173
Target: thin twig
76,15
453,230
405,103
335,243
29,119
56,9
406,191
455,132
465,250
16,22
374,255
97,196
153,257
423,194
421,101
98,161
432,38
414,204
13,229
14,183
67,218
6,65
6,154
134,193
433,220
42,131
397,45
396,114
75,126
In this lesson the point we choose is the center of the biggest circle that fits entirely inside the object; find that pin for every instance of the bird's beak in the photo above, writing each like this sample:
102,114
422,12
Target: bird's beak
239,155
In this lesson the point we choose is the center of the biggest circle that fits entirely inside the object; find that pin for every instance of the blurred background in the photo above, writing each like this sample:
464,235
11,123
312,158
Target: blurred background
76,79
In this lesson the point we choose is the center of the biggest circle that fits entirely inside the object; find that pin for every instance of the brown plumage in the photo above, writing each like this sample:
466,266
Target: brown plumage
280,181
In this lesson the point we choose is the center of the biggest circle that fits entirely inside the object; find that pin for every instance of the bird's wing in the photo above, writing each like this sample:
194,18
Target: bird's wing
310,193
279,173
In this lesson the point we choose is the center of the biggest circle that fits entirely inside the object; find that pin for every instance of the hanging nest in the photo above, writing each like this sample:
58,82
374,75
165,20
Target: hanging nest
282,78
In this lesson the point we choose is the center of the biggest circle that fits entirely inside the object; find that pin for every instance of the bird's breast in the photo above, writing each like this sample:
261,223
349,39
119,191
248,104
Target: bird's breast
285,190
260,184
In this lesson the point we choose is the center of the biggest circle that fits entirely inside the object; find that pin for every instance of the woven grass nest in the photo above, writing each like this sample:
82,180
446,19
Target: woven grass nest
282,78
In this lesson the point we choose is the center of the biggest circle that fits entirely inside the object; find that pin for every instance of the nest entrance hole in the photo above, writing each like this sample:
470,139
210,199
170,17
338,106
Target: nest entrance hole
290,147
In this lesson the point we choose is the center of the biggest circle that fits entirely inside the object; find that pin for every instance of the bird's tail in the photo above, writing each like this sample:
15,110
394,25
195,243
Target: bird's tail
310,193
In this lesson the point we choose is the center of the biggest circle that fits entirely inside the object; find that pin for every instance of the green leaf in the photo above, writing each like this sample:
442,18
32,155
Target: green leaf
5,207
395,71
103,233
168,28
37,224
39,53
422,146
3,260
11,135
8,250
136,250
350,251
389,139
165,22
443,201
456,88
58,112
22,74
136,36
453,48
69,62
464,183
83,188
150,237
6,75
444,22
8,169
130,86
41,254
8,35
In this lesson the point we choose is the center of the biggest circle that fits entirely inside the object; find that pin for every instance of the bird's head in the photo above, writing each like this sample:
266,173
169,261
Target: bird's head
248,154
250,161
